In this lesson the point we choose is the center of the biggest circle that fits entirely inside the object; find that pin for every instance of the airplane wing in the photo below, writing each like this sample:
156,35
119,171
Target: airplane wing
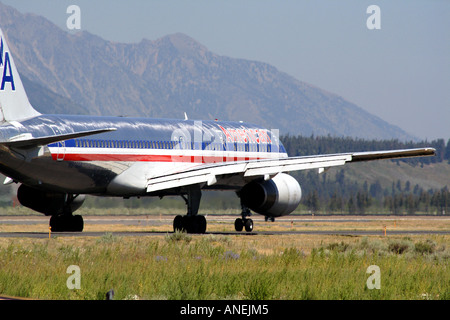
210,173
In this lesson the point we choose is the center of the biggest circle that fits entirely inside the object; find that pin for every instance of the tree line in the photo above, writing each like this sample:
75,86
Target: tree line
339,194
312,145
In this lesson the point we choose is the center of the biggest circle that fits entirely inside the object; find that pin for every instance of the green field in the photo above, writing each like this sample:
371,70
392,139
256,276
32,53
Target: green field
180,266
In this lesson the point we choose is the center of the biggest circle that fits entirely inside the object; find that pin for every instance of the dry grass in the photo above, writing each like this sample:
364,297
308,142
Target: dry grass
179,266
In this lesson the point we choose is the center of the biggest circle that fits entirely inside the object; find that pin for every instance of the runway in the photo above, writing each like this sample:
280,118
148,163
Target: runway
42,235
151,225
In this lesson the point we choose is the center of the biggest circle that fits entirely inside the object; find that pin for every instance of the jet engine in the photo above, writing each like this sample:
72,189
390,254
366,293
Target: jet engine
47,202
275,197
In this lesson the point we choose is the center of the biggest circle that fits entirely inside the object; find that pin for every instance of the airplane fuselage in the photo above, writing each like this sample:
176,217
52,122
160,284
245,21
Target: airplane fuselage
121,162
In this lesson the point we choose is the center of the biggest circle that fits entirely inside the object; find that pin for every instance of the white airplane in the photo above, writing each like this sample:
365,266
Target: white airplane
58,159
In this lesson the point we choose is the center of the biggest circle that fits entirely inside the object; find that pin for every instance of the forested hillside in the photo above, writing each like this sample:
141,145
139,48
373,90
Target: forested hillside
354,191
302,146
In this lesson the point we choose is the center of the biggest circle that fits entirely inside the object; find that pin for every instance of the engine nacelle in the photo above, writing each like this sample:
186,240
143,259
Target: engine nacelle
48,203
276,197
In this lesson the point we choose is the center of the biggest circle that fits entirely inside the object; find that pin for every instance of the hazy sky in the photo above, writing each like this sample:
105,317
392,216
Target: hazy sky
400,72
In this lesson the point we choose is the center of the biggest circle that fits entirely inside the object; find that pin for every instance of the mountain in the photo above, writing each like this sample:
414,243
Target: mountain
83,73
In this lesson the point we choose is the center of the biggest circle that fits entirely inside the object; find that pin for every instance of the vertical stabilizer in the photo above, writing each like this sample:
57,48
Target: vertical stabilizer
14,104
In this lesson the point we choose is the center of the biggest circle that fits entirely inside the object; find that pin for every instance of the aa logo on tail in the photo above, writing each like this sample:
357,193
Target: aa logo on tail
6,73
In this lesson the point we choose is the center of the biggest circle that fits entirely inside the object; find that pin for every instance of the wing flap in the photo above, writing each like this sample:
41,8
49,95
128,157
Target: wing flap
272,167
204,174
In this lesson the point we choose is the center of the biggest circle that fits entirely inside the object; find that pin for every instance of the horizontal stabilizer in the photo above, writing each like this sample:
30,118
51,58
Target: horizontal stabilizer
27,140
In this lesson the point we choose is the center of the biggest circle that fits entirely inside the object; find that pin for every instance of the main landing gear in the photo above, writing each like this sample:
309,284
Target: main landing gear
66,223
194,223
64,220
191,222
243,222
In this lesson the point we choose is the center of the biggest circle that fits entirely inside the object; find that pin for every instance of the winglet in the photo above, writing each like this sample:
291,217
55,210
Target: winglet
14,104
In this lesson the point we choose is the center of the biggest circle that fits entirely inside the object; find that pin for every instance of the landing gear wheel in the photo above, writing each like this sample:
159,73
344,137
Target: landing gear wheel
186,223
200,222
239,224
66,223
77,223
248,225
189,224
178,224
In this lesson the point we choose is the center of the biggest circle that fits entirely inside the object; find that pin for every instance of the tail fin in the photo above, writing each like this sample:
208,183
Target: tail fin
14,104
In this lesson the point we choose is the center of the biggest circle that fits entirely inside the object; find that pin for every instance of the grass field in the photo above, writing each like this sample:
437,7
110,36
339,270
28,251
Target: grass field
215,266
